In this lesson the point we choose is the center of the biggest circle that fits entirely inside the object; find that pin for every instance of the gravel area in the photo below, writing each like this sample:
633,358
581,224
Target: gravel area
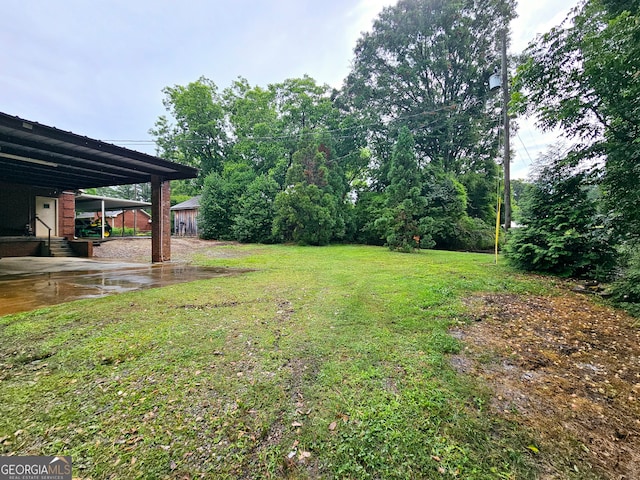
139,249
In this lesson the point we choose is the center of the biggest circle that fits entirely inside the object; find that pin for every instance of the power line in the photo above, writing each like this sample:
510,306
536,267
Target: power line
294,136
525,147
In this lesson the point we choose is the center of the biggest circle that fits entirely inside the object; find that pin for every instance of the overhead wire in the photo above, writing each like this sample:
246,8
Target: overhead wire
268,138
525,148
431,123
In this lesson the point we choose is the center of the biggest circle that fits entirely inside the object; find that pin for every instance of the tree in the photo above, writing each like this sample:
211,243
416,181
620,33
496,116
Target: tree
137,191
518,191
303,105
614,66
219,202
213,219
253,143
307,211
481,193
369,207
582,77
447,200
403,220
425,65
305,215
254,220
562,232
199,135
253,116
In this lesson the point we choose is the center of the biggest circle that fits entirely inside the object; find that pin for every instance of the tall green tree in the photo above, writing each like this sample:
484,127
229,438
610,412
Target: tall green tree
214,220
196,133
253,221
447,208
270,125
481,192
369,207
305,215
219,204
425,65
404,219
582,77
307,210
254,120
249,139
303,105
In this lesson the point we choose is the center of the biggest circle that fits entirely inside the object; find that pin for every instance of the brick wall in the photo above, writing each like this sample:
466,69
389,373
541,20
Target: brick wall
160,220
67,214
138,218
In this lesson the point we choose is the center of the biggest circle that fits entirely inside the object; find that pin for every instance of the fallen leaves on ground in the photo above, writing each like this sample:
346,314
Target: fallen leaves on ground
567,368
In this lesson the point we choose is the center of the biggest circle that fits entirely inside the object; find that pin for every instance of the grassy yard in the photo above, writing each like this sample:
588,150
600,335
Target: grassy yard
319,363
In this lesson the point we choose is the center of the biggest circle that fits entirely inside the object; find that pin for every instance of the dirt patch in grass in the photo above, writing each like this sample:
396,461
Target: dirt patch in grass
566,368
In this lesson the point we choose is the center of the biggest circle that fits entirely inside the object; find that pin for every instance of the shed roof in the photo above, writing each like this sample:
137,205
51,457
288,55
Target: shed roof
191,204
39,155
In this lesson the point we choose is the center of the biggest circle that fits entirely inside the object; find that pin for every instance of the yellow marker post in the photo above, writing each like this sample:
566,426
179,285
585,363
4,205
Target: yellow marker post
497,227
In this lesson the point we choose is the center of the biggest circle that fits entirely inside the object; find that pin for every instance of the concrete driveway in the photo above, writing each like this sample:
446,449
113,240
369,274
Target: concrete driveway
27,283
11,266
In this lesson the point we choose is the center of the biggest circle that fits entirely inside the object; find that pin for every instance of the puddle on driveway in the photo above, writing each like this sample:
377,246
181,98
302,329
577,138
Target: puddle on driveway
19,293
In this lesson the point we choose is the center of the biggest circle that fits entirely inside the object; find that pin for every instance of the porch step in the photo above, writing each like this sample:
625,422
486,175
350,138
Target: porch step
60,248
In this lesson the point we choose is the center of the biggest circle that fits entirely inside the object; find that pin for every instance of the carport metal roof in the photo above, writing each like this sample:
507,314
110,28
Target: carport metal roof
94,203
38,155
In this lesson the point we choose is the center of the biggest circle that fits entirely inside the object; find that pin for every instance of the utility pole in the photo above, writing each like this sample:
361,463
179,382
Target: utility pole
507,158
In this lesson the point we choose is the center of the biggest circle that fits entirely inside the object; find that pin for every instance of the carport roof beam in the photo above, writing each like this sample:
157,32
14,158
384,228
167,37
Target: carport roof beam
43,156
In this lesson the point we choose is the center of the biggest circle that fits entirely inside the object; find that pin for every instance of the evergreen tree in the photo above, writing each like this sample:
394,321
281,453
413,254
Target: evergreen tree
307,211
403,221
561,232
425,65
305,215
448,208
369,207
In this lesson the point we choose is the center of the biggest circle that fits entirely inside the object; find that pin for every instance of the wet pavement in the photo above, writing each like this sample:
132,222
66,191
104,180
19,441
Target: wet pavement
27,283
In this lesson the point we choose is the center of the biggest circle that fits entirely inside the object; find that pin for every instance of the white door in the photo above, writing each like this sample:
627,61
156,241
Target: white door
47,211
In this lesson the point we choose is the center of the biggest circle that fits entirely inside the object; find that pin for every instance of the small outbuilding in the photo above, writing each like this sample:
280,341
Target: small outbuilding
185,217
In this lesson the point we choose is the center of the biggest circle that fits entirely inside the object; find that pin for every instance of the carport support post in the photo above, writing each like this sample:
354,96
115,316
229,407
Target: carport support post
160,219
102,219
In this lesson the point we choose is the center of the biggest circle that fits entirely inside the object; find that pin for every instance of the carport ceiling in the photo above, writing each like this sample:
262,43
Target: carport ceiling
38,155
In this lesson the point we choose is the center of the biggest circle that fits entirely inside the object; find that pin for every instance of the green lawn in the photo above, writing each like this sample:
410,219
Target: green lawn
324,362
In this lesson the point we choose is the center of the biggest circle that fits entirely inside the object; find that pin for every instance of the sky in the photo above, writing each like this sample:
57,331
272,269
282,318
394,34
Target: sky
98,68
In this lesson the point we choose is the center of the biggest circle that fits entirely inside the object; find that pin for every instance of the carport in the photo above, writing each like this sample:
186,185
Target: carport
40,162
100,204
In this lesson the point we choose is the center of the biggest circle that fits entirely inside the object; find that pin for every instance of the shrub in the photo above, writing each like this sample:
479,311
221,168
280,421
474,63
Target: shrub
128,232
626,288
254,221
562,233
305,215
